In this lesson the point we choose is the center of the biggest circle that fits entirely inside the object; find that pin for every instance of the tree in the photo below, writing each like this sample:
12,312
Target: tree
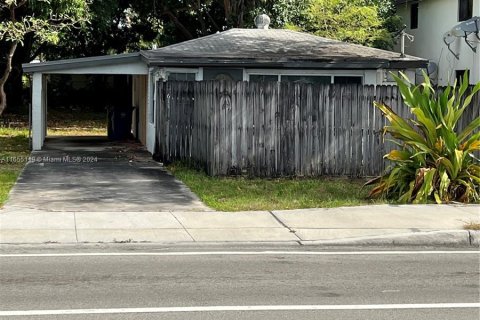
118,26
115,26
365,22
41,21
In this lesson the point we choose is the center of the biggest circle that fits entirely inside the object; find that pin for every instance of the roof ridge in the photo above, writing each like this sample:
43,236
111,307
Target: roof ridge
186,42
190,41
303,33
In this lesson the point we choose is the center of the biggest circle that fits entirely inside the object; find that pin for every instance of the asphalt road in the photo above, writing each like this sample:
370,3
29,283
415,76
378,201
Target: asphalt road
370,285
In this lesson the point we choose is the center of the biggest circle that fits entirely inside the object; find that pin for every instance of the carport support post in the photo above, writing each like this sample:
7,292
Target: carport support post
38,111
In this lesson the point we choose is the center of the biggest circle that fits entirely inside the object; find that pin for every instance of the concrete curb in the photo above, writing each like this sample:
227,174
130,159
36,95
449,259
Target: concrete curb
449,238
410,226
474,237
434,238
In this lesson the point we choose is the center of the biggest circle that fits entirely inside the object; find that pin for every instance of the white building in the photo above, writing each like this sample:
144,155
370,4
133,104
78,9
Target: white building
434,24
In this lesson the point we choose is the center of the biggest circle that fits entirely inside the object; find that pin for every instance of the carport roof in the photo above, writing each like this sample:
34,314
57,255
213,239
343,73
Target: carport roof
96,61
273,48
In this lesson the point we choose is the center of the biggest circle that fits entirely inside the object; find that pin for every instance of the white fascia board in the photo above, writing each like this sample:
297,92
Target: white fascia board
131,68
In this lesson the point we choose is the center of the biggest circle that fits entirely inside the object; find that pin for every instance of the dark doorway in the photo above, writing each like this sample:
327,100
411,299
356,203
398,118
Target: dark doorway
80,105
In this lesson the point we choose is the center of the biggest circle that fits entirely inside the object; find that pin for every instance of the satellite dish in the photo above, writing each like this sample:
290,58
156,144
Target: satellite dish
449,38
463,30
468,26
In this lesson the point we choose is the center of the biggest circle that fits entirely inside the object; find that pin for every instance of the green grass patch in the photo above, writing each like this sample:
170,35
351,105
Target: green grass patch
61,123
13,151
240,193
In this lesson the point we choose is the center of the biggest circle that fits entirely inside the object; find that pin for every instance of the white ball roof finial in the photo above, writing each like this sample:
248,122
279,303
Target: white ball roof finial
262,21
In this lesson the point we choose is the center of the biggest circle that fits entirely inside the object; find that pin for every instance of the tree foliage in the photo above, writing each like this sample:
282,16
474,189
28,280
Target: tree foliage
365,22
41,21
44,18
115,26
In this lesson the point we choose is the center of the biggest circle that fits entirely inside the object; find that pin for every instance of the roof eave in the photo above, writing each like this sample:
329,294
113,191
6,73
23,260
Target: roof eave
296,64
80,62
408,64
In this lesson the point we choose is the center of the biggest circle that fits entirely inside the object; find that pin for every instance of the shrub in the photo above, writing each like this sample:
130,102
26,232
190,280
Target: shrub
435,159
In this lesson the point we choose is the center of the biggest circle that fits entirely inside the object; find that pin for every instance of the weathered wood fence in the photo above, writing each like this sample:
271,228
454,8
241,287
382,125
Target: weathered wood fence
277,129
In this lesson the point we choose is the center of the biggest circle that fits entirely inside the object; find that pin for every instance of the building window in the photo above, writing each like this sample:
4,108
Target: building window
177,76
459,75
308,79
465,9
347,80
414,16
222,74
263,78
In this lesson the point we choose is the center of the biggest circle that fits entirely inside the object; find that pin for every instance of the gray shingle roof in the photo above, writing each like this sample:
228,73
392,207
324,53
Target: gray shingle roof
274,46
271,48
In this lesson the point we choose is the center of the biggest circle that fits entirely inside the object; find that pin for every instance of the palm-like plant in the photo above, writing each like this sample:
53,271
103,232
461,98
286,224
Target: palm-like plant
435,160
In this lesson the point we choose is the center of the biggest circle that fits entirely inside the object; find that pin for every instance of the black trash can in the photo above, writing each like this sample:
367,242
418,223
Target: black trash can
120,122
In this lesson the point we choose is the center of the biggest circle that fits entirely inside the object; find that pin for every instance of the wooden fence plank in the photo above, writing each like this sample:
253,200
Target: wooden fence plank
278,129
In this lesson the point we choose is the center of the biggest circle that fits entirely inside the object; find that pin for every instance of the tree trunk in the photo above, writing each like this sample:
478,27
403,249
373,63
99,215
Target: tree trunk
3,100
4,78
177,22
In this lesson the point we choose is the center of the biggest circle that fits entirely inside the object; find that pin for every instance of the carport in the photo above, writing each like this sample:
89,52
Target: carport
123,64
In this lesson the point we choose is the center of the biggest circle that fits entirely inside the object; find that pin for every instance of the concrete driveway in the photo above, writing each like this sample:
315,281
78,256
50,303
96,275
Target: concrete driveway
94,174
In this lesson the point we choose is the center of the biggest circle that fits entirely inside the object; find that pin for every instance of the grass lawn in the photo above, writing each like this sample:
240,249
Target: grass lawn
13,149
238,194
76,124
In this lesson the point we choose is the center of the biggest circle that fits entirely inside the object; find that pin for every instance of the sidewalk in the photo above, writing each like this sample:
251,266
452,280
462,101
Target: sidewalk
382,224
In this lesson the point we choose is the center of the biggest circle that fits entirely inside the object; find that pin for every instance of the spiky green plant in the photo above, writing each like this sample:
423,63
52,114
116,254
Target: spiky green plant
435,160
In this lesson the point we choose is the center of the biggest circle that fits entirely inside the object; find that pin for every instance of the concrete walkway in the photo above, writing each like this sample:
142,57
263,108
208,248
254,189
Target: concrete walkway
94,174
382,224
92,190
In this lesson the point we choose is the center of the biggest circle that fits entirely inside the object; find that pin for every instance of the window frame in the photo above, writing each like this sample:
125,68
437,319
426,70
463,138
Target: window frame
459,74
468,5
308,75
362,80
182,73
197,71
319,73
414,15
264,75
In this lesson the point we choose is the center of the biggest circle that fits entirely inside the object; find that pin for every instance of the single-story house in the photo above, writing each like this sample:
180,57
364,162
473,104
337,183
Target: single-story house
260,54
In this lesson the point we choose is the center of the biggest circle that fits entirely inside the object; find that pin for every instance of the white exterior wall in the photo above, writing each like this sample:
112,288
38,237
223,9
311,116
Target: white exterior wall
151,126
39,110
435,18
